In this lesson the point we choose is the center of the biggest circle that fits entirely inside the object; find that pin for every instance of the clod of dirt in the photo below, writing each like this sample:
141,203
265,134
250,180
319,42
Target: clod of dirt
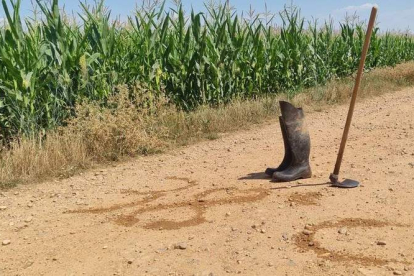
307,232
6,242
343,231
308,227
365,272
181,246
204,274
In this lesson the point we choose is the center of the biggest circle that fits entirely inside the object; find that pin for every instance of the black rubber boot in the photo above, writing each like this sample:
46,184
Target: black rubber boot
288,155
298,140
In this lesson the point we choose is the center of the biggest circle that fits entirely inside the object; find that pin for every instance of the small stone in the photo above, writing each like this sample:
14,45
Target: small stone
262,231
29,219
30,205
343,231
365,272
308,227
6,242
397,272
228,214
105,247
130,261
307,232
382,243
311,244
2,208
181,246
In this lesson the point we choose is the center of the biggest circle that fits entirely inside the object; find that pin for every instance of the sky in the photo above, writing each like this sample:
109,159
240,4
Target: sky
393,15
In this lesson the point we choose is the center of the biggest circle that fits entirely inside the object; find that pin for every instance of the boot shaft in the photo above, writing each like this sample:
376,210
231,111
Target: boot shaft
298,139
297,132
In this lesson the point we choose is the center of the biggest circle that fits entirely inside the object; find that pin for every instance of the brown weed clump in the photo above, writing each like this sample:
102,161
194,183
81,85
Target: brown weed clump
125,126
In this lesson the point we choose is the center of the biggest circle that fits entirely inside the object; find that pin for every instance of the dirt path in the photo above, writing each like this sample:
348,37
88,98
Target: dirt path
207,210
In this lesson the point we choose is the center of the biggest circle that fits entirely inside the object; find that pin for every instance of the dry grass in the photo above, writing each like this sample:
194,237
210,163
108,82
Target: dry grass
376,82
147,124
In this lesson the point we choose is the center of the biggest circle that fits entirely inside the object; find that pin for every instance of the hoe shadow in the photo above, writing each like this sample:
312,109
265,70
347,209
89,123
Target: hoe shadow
256,176
285,185
300,186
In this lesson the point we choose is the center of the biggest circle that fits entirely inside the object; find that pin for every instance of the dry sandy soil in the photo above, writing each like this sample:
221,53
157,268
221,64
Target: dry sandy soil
208,209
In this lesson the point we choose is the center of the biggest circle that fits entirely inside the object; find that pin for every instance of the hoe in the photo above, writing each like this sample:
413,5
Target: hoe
348,183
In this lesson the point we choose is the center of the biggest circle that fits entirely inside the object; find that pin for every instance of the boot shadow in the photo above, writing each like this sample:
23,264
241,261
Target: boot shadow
256,176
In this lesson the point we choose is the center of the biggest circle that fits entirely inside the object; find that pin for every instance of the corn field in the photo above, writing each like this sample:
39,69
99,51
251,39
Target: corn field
50,61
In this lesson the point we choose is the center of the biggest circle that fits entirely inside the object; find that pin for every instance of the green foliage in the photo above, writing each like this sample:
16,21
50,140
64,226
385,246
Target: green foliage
48,65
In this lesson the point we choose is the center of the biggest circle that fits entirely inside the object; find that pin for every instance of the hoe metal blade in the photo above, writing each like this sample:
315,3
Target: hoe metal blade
346,184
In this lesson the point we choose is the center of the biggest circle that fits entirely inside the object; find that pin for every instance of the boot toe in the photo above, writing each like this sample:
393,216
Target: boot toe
292,174
280,177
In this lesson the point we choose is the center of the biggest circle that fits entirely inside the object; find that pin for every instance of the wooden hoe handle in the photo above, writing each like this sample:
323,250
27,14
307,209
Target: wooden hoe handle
356,88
